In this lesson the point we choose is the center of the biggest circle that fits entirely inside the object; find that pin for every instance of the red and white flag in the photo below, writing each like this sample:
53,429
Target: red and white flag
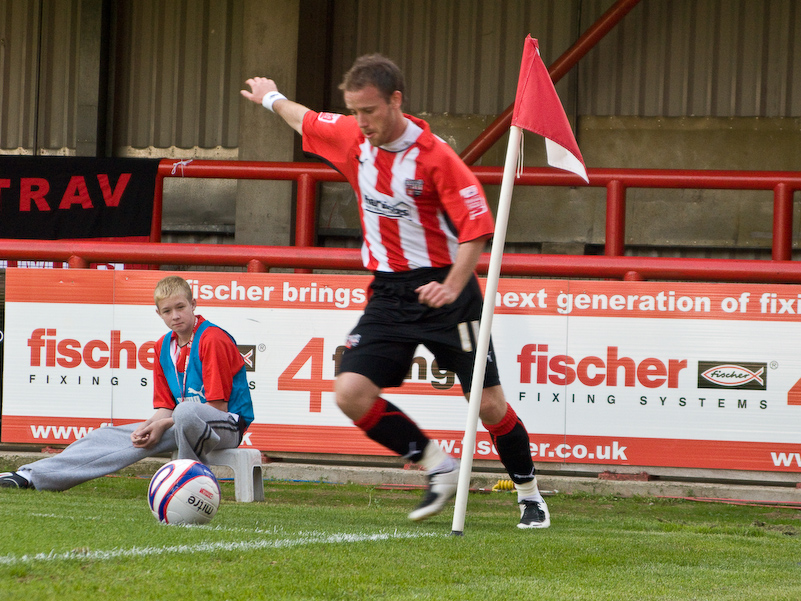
539,110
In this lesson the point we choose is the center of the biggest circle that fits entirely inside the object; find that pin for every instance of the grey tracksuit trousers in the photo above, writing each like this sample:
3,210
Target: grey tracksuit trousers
198,429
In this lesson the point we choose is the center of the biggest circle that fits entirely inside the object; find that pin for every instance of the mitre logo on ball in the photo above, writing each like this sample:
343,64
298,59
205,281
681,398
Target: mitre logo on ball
184,492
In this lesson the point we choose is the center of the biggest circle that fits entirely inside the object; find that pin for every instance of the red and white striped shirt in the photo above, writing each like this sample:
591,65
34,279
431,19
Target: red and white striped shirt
417,201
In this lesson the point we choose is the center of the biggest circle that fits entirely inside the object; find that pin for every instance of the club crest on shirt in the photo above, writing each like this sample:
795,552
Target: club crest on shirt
414,187
352,341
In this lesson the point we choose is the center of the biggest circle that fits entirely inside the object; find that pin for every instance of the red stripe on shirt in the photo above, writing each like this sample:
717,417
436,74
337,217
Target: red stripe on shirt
383,162
436,241
390,238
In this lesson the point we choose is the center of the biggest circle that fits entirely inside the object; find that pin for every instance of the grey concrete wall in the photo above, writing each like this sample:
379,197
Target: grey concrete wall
264,209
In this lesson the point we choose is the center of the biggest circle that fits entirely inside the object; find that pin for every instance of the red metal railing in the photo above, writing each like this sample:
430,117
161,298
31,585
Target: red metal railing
307,175
305,256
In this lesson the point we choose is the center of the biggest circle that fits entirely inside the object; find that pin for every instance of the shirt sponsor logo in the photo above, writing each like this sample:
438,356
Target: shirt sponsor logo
474,201
380,207
718,374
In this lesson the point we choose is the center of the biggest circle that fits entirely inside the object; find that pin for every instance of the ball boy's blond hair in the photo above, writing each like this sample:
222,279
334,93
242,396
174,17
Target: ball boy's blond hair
172,285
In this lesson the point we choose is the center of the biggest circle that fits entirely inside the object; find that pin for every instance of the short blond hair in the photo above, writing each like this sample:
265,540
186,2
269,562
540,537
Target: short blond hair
172,285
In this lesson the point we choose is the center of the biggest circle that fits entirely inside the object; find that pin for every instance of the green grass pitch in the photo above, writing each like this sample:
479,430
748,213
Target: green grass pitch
312,541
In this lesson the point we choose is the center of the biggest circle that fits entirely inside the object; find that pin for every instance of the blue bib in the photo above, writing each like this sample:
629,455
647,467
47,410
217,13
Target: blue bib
191,388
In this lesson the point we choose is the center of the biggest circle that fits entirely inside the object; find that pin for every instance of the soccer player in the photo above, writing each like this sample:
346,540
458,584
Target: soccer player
200,394
425,222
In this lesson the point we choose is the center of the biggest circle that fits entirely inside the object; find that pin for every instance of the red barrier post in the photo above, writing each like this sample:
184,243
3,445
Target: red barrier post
256,266
615,219
158,208
306,213
782,222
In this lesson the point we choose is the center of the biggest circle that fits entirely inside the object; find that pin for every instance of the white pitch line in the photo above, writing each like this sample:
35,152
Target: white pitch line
311,538
65,517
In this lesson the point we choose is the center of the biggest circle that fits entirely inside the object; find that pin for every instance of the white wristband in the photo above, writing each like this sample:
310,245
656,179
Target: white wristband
270,98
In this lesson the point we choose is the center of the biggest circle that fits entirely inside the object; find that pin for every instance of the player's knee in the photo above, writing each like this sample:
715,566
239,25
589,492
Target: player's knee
493,405
354,394
347,402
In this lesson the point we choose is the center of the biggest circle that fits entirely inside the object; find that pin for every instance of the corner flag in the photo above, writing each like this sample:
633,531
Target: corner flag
537,109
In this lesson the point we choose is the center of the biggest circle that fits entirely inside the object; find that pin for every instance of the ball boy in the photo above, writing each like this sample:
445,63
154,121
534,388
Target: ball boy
200,395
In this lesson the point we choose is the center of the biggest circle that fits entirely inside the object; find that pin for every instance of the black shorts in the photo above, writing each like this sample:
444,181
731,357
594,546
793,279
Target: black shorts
382,345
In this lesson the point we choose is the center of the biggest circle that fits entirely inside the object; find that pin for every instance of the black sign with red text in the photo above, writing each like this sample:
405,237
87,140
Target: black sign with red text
52,198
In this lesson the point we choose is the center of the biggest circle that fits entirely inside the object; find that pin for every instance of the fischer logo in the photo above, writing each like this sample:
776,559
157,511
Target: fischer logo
596,371
114,352
716,374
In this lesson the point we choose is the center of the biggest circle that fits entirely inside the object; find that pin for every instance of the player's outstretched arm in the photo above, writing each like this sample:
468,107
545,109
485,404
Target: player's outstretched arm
288,110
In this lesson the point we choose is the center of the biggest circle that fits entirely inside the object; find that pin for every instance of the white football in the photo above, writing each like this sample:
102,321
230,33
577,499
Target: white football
184,492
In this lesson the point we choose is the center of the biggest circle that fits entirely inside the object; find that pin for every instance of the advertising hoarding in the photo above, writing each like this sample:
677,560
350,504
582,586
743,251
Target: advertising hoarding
668,374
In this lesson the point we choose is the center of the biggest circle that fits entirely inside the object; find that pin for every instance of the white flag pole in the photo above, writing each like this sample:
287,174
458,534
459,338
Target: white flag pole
482,345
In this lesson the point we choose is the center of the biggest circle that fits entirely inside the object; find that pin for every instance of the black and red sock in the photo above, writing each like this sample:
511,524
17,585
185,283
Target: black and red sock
511,440
392,428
